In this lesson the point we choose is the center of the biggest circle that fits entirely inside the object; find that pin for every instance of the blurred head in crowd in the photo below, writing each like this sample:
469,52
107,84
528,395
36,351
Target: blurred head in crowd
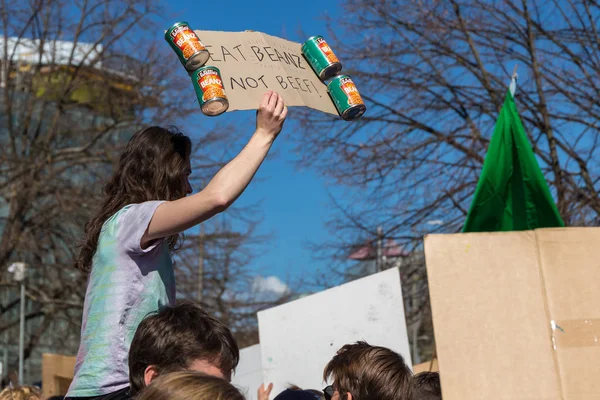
295,393
189,385
182,337
360,371
21,393
426,386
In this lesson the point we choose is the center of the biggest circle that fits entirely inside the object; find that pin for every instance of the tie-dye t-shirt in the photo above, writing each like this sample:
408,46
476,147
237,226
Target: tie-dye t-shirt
126,283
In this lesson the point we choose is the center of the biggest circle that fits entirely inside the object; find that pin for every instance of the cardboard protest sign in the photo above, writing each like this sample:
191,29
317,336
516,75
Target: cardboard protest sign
517,314
253,62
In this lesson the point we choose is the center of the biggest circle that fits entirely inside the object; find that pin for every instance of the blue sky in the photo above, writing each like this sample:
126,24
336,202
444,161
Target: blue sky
295,203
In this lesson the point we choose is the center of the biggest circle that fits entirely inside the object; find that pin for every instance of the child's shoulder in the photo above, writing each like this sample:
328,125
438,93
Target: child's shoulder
116,217
133,211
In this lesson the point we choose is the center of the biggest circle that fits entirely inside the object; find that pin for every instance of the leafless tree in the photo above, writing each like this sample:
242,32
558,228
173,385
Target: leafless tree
214,267
77,79
434,75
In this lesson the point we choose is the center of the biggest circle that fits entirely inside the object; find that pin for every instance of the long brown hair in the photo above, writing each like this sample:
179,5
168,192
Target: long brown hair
189,385
152,167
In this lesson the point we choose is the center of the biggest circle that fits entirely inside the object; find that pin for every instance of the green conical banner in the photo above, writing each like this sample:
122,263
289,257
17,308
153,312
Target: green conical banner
512,193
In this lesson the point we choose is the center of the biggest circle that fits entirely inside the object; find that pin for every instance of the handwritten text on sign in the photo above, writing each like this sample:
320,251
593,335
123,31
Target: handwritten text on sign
253,62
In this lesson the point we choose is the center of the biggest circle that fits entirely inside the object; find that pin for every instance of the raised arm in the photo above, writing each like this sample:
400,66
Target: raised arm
172,217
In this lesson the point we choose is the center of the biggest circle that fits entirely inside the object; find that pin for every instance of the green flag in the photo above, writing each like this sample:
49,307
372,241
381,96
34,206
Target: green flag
512,193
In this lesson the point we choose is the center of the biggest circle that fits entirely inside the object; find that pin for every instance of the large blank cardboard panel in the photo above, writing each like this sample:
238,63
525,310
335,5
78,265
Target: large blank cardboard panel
494,297
491,330
570,262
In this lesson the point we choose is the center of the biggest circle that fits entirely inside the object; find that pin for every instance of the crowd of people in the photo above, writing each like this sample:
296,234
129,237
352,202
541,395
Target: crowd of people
137,341
183,352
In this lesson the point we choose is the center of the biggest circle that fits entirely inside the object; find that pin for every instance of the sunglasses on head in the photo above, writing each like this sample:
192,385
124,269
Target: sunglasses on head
328,392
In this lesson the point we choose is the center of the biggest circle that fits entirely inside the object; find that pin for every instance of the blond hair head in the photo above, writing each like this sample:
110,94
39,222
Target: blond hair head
21,393
189,385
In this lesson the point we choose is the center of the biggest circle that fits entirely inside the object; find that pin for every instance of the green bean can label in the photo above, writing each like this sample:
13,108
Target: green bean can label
210,91
187,45
321,58
346,97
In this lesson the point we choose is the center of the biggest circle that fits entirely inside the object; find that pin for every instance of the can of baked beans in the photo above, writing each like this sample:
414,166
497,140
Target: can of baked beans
321,58
210,90
187,45
346,97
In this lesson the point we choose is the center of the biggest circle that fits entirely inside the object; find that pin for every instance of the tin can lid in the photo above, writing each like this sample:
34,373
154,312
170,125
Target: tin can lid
215,107
207,67
197,60
175,25
337,78
311,38
354,112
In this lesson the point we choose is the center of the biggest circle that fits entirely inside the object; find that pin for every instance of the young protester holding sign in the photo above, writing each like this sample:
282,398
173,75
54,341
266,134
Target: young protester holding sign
127,244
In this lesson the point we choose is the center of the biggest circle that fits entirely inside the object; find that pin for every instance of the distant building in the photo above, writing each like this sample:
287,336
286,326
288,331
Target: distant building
41,71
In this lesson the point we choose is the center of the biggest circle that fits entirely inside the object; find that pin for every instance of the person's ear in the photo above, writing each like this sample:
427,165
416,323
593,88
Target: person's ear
348,396
150,373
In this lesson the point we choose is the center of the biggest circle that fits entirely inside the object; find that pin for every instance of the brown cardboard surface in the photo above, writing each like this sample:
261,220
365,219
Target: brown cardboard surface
253,62
493,298
570,262
57,373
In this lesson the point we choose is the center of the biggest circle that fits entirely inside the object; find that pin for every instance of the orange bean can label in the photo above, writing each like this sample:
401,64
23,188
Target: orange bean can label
210,91
326,50
346,98
321,58
211,85
187,45
187,41
348,86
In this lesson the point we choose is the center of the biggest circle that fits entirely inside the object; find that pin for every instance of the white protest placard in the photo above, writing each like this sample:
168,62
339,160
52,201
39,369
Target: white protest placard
248,374
299,338
253,62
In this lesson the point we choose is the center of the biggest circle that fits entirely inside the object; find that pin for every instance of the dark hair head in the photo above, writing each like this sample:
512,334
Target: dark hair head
174,338
295,393
426,386
152,167
369,373
190,385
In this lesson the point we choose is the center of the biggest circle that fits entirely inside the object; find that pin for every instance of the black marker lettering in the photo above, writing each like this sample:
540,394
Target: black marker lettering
281,57
299,62
253,80
240,83
211,53
239,51
300,84
226,52
290,58
306,82
271,55
281,82
316,89
259,55
291,81
262,79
